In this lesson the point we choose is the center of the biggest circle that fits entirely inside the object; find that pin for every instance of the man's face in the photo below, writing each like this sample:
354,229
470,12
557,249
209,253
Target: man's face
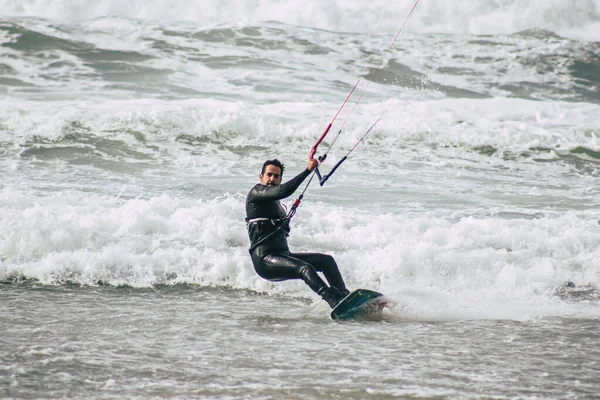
271,177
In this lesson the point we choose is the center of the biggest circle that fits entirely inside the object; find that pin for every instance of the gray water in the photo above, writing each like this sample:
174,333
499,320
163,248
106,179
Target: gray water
194,342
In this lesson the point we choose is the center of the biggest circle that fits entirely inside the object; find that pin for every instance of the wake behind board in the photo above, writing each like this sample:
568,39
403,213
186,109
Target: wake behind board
361,303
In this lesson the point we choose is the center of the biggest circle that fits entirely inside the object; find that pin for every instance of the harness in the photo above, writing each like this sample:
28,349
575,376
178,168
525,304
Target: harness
278,223
274,221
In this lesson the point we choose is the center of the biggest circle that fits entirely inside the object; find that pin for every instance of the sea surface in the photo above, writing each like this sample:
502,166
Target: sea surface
131,132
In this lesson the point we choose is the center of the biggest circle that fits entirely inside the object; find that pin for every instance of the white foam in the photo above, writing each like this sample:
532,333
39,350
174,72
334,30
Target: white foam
514,124
431,267
576,19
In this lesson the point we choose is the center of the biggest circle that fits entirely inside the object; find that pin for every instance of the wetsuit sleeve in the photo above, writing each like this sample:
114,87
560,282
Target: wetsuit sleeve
270,193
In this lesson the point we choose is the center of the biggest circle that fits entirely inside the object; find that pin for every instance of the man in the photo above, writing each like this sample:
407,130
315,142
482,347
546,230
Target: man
268,231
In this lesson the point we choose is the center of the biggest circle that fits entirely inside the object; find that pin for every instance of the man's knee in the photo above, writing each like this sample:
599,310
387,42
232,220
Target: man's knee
309,275
306,270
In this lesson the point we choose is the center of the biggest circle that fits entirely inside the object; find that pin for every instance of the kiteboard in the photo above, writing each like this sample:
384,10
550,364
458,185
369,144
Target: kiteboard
359,304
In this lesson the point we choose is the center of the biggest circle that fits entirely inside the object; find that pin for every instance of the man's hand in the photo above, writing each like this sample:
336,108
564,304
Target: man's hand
312,164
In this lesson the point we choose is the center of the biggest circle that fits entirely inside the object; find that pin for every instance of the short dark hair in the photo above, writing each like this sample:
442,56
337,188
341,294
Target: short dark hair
274,162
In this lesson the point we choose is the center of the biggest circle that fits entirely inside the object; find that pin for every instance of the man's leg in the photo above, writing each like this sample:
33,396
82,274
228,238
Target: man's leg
326,264
280,267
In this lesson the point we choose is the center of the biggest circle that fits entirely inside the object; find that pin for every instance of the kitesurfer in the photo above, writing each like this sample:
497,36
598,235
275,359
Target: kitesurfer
268,230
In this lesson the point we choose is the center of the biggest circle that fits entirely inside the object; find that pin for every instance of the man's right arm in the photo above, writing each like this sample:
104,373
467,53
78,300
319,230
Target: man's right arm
270,193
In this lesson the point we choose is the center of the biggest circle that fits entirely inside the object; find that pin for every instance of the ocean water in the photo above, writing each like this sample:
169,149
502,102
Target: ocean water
130,134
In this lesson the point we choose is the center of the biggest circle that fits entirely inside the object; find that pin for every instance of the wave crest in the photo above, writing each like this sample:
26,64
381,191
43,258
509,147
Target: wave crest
565,17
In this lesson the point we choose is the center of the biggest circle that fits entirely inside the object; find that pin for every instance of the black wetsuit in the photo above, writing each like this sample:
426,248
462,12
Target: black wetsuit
272,258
